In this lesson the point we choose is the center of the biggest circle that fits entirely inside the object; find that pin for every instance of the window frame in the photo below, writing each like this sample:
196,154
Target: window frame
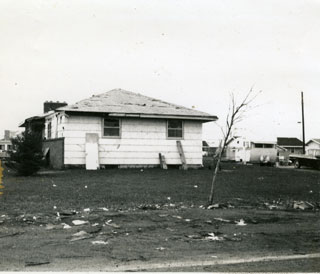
182,129
103,127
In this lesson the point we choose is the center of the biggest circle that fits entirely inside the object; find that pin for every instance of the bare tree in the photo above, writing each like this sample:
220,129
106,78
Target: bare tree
235,115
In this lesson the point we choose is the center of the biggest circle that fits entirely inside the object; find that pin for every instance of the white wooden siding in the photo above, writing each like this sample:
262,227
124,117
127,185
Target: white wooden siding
140,143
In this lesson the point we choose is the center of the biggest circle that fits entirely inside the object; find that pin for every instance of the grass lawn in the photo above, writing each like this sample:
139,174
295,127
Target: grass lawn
130,188
122,227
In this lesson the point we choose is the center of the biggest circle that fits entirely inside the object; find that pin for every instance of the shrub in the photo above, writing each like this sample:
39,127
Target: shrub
26,156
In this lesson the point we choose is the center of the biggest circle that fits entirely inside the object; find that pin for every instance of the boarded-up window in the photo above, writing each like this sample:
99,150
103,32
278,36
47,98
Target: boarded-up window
49,131
175,129
111,127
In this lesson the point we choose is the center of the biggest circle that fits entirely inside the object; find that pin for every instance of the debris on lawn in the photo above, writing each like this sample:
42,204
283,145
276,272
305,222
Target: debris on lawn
52,226
86,210
177,217
54,185
81,235
99,242
169,198
194,236
195,186
79,222
241,222
222,220
213,206
187,220
160,248
149,207
213,237
85,186
302,205
111,224
95,224
104,208
66,226
54,207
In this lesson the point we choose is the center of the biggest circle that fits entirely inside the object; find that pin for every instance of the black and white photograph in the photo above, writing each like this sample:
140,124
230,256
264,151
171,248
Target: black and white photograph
160,136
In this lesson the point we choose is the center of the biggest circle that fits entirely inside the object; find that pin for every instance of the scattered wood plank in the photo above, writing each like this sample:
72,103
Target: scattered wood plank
163,164
182,156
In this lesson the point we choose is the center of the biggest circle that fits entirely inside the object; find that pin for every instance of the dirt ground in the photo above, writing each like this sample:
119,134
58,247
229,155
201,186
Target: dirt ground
156,220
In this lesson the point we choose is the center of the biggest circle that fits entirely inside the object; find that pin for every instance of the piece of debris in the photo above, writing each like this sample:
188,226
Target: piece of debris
195,186
66,226
51,226
241,222
169,198
187,220
213,256
54,185
177,217
79,222
35,263
213,237
112,225
99,242
302,205
86,210
160,248
81,235
222,220
104,208
213,206
85,186
194,236
54,207
95,224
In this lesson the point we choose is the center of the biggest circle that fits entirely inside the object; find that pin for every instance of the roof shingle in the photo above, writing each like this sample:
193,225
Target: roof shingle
126,102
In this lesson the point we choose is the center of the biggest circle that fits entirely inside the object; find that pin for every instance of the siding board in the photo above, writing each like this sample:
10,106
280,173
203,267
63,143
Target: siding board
141,142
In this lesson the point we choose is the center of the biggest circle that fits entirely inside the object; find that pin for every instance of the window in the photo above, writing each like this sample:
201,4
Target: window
268,146
9,147
258,145
111,127
175,129
49,131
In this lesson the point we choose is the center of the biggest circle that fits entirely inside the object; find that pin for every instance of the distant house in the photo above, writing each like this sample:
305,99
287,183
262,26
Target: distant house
291,144
313,147
5,143
120,128
237,149
208,150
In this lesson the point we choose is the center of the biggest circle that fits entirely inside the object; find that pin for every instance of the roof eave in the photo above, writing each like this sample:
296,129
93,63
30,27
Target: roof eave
208,118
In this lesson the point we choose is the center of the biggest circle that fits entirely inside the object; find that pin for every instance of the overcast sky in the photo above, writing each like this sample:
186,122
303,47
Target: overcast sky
192,53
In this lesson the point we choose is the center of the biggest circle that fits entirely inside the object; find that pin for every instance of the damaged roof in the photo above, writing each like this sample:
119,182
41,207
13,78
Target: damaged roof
126,103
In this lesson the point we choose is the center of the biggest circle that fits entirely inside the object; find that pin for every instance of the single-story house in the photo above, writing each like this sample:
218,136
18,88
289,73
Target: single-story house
313,147
123,129
287,146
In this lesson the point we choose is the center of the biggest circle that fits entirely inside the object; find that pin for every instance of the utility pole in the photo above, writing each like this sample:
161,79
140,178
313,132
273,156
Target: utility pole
303,136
